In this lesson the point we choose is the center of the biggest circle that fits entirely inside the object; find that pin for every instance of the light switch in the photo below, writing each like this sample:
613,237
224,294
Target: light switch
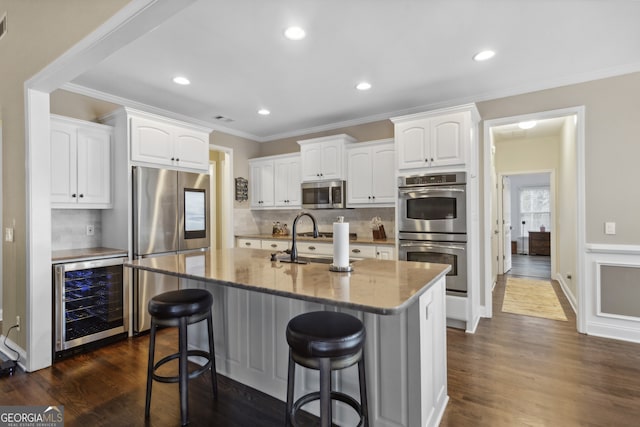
609,228
8,234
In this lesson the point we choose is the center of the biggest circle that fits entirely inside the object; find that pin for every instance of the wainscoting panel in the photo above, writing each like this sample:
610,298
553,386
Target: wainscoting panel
613,291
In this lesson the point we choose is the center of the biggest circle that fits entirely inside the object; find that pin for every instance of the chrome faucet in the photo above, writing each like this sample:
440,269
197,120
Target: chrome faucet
294,249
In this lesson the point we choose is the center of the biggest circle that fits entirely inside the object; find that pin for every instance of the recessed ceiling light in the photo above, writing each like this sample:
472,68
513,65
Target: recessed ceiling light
181,80
294,33
528,124
363,86
264,112
484,55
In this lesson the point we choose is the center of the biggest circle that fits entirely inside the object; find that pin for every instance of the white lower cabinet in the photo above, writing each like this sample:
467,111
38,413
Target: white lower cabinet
242,242
385,252
275,245
81,163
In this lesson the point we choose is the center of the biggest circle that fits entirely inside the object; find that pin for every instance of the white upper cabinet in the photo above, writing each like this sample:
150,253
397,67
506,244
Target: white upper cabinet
275,182
287,182
323,158
435,139
162,143
81,163
371,173
261,181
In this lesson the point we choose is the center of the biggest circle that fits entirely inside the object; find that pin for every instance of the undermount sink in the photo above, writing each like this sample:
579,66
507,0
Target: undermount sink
309,259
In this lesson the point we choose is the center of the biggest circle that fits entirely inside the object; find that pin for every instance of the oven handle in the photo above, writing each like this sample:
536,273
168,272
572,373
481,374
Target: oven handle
432,245
407,190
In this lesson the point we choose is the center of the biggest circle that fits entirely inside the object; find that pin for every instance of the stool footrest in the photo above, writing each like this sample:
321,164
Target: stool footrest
335,395
193,374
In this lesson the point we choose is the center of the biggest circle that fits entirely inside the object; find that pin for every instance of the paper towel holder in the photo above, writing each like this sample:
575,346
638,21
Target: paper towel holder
346,269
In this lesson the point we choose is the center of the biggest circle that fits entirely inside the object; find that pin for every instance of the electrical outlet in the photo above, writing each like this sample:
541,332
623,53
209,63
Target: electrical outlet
90,230
18,323
8,234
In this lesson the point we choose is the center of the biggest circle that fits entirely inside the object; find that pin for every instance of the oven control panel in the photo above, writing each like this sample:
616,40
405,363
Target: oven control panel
435,179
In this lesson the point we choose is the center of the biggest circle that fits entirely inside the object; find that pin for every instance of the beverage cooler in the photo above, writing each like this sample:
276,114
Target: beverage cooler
90,304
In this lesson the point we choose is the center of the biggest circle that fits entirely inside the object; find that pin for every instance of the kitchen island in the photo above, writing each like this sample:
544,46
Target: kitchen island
401,304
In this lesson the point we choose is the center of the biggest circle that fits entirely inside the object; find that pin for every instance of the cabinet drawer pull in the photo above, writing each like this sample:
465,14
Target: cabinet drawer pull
355,251
312,248
273,245
247,243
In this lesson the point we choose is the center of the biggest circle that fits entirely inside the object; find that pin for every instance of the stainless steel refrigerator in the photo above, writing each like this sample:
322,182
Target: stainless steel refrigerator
170,215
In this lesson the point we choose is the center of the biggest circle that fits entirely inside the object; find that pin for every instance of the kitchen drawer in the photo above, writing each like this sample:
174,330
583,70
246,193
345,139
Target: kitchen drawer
248,243
275,245
312,248
362,251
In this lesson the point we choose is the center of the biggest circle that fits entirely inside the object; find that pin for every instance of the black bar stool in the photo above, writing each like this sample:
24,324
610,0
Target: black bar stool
326,341
179,309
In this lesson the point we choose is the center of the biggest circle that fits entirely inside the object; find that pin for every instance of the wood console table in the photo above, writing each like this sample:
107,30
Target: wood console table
539,243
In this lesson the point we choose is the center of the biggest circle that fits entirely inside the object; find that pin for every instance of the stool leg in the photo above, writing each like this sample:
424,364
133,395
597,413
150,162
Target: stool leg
183,372
152,346
212,355
290,388
364,405
325,392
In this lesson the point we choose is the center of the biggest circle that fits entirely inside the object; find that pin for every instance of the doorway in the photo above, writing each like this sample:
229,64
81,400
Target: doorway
527,217
565,162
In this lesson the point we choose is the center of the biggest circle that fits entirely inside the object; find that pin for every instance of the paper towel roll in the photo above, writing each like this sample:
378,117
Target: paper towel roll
341,244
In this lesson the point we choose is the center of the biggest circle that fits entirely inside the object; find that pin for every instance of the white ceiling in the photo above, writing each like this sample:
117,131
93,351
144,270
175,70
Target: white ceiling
543,128
416,54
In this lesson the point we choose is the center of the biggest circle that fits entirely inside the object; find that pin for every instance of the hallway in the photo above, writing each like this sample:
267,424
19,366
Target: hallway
534,266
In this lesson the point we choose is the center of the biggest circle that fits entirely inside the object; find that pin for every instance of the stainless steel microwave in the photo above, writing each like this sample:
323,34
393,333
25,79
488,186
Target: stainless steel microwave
324,194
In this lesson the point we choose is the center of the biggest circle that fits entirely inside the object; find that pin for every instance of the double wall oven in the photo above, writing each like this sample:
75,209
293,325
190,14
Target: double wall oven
432,224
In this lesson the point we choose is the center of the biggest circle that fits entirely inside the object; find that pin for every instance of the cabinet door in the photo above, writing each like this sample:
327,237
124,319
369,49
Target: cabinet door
262,180
63,164
151,142
287,182
383,180
412,141
94,168
449,137
311,158
331,165
359,175
385,252
191,149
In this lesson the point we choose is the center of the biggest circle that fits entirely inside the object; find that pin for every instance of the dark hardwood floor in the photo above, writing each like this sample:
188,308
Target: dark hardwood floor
536,266
515,371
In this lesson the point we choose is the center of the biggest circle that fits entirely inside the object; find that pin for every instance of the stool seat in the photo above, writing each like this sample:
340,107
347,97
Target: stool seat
180,309
326,341
181,303
325,334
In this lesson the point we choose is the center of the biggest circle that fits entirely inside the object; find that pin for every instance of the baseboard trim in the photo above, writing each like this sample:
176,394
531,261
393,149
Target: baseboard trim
567,292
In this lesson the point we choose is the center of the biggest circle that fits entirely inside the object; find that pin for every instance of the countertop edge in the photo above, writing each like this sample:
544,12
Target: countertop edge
360,307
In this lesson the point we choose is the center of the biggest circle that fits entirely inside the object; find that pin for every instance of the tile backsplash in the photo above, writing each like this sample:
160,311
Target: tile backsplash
69,228
261,221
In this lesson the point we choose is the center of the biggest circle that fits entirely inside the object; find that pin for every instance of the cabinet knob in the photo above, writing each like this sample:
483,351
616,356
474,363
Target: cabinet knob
177,159
369,197
172,159
81,195
73,195
432,159
373,197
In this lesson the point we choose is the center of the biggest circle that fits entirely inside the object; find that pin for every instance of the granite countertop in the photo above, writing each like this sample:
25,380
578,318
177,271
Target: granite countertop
86,254
376,286
359,240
